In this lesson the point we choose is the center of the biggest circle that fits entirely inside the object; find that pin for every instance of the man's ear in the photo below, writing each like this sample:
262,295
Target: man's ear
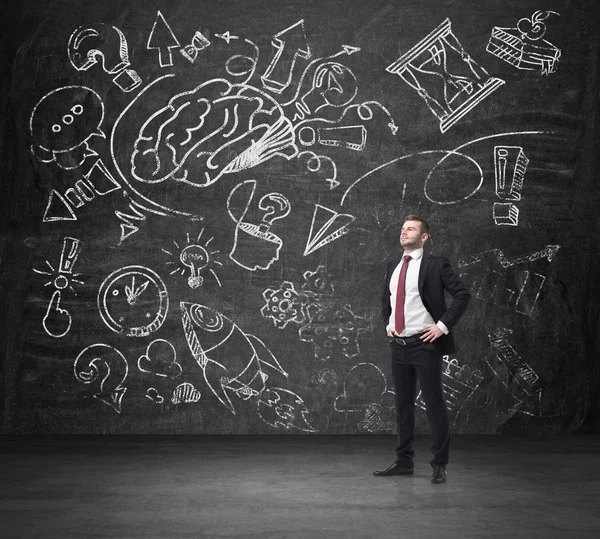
425,237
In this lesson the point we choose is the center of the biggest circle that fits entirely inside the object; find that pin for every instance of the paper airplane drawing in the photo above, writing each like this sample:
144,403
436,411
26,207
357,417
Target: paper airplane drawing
327,226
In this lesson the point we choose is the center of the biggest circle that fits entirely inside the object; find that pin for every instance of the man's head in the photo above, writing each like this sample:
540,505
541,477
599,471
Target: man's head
414,233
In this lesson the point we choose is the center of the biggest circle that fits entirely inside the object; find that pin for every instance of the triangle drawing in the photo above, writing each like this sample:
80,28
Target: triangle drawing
327,226
58,209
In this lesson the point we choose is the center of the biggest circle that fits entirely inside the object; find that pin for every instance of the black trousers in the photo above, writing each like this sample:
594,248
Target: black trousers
411,362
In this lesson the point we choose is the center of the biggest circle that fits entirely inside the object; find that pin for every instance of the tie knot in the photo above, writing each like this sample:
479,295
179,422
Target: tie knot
407,258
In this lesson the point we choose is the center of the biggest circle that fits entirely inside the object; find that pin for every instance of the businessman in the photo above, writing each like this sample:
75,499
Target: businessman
419,327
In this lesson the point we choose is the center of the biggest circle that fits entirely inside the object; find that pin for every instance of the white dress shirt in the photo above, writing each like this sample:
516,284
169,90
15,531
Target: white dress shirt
416,316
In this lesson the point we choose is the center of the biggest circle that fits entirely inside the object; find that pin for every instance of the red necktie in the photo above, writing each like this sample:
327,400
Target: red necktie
400,295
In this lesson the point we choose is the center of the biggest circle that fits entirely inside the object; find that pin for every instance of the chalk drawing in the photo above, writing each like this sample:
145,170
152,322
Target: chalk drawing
446,154
160,359
199,43
231,360
162,39
365,112
197,257
341,132
505,214
153,394
325,377
255,246
238,364
518,369
549,252
318,283
134,214
459,383
333,85
314,165
57,321
529,291
185,393
242,126
89,45
510,165
63,122
374,420
334,329
133,301
352,137
106,369
518,289
71,250
97,181
315,64
327,226
226,36
523,46
289,44
365,390
313,307
280,407
242,65
285,305
58,209
455,95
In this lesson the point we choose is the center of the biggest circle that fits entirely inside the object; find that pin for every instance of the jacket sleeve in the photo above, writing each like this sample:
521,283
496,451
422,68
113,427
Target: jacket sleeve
457,290
386,306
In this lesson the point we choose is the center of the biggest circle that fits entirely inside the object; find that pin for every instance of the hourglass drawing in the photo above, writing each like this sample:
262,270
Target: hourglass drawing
450,82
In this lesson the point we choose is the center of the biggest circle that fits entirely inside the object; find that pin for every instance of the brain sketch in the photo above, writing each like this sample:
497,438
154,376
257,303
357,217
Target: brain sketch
217,128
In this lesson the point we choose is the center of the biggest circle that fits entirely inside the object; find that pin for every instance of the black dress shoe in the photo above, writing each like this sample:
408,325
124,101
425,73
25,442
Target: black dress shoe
395,469
439,475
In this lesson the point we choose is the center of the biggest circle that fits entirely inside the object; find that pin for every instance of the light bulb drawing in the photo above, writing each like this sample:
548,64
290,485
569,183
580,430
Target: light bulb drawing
334,85
196,259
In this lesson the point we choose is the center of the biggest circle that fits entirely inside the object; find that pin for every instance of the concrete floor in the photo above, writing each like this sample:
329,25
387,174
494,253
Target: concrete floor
295,487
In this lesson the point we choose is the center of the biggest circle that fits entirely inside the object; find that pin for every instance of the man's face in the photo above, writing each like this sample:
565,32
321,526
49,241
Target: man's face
411,237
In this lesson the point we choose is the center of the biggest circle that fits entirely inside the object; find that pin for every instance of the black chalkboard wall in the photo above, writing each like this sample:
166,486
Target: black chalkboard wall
199,200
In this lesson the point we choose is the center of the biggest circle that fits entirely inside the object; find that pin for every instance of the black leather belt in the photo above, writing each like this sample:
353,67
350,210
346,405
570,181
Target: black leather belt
403,341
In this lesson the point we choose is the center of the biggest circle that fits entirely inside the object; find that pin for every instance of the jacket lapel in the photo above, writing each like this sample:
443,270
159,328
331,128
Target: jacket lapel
423,272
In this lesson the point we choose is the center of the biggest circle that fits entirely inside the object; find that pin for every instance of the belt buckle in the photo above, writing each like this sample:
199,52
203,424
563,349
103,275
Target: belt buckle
400,340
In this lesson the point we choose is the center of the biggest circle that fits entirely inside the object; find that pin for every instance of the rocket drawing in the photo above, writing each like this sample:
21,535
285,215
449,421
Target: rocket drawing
233,362
237,363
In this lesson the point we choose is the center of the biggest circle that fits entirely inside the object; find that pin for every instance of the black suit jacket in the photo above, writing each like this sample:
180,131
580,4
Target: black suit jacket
435,276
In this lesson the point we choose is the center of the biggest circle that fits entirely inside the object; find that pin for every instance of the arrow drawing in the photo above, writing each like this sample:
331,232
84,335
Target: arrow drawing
163,39
548,252
346,49
290,44
226,36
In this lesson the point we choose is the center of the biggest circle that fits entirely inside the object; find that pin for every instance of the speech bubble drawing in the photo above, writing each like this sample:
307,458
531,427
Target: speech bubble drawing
61,124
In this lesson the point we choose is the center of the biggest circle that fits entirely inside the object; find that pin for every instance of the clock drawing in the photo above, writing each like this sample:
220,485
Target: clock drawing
133,301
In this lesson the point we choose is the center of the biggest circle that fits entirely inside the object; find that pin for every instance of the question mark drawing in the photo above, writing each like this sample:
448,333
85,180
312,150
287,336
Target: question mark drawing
106,367
255,246
276,207
102,42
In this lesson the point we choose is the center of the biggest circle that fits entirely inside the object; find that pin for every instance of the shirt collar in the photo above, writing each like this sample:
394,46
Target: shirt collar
416,254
